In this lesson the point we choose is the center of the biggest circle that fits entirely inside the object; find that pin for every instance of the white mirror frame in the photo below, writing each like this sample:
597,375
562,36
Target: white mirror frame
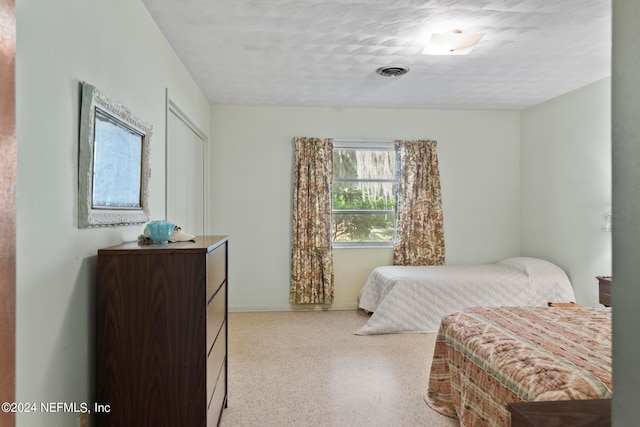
120,119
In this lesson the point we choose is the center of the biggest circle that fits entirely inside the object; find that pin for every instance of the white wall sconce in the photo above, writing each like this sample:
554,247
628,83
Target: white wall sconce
607,221
452,43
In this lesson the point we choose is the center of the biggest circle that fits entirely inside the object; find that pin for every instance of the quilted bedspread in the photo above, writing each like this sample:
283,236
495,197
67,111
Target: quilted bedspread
485,358
415,299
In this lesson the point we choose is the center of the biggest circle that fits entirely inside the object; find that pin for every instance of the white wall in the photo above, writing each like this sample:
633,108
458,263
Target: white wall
252,163
115,46
566,184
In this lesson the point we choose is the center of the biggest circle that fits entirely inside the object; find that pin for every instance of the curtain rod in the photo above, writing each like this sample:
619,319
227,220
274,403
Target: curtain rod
362,140
364,144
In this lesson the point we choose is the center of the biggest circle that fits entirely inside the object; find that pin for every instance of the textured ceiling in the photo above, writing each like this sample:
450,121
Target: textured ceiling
324,53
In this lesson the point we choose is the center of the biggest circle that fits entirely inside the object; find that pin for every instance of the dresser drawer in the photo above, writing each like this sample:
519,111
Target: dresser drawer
216,269
218,399
215,362
216,313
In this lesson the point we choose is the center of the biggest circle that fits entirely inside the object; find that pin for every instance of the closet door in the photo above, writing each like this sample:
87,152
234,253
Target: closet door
185,173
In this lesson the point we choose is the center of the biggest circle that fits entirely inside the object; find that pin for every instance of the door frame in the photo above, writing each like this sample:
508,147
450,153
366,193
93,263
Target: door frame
8,179
173,108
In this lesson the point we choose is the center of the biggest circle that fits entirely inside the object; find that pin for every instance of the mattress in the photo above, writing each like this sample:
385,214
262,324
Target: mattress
485,358
416,298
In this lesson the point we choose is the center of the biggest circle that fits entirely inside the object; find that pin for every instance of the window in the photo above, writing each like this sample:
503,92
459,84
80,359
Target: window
365,181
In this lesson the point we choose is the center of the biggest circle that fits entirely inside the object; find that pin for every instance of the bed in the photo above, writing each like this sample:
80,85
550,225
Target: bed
487,357
415,299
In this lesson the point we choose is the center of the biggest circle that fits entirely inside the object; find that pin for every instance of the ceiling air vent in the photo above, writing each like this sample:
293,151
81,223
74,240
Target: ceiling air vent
392,70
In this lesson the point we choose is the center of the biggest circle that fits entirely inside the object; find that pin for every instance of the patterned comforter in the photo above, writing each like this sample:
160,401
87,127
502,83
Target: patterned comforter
485,358
416,298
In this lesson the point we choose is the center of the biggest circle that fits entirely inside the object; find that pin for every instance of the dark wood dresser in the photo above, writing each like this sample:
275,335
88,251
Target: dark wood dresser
604,290
562,413
161,333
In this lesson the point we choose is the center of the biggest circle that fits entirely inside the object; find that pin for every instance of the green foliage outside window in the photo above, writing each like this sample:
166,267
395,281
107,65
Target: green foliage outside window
372,194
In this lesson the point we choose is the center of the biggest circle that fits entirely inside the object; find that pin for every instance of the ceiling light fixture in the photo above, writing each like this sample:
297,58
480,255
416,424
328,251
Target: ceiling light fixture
452,43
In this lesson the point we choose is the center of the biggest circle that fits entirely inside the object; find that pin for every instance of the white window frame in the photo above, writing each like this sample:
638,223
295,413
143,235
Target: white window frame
367,145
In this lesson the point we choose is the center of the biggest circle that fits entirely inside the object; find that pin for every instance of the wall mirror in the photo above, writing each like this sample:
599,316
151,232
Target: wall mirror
113,166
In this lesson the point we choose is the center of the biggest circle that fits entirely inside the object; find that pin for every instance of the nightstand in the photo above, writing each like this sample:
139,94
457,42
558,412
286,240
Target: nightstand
604,284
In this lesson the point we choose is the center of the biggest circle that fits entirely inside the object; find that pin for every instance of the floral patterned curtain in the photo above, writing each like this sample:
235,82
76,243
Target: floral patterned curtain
420,227
311,258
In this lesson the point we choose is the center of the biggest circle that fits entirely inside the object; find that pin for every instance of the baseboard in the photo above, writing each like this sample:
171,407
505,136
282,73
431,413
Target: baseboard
289,307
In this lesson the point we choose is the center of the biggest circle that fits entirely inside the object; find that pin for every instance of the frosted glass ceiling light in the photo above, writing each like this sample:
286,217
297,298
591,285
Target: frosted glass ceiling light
452,43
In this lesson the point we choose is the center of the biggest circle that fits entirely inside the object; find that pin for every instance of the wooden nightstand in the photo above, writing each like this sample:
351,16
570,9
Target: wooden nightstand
604,284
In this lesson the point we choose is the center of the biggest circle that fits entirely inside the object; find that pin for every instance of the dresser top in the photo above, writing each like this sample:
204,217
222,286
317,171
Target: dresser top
202,244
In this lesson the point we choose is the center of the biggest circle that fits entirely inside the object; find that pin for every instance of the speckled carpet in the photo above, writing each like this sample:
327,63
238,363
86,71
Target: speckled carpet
308,369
